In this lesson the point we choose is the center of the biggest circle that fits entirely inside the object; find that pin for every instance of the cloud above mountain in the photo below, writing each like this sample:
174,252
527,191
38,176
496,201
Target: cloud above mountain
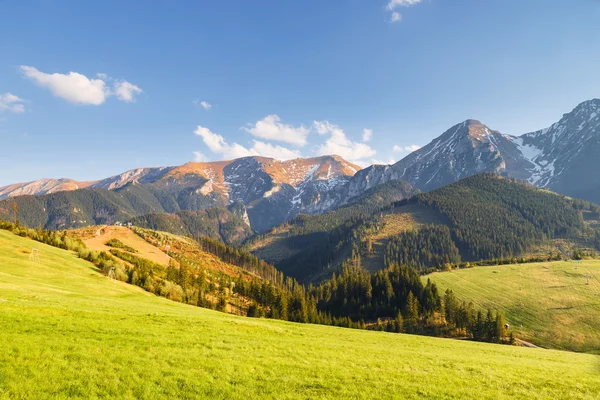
205,105
339,144
218,145
79,89
271,128
405,149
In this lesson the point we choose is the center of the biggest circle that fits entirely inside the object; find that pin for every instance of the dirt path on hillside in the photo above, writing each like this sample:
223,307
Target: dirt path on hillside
526,344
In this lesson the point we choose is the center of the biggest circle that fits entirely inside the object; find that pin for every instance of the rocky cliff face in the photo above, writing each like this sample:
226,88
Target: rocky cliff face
566,156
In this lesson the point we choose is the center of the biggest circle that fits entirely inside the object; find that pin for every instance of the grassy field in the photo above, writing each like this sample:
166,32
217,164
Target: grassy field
68,332
555,303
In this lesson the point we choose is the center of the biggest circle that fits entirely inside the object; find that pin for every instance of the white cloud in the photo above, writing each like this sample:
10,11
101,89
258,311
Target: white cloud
73,87
271,128
204,104
367,135
12,103
392,5
340,145
79,89
199,157
215,142
126,91
275,151
218,145
405,149
325,127
382,162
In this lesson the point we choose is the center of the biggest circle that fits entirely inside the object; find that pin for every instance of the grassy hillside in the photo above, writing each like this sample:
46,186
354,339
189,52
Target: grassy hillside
555,303
69,332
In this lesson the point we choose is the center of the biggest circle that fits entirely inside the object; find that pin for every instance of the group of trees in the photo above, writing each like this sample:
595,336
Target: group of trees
430,246
464,319
398,301
117,244
241,258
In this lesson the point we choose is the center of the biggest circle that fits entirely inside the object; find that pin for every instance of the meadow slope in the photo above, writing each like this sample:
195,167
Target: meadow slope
552,304
66,331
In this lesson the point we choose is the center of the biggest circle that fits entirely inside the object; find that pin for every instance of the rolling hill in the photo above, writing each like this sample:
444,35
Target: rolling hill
70,332
554,305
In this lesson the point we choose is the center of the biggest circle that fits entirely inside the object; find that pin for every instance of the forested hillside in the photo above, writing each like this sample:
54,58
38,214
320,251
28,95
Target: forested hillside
85,207
494,217
217,223
139,204
484,217
211,274
308,244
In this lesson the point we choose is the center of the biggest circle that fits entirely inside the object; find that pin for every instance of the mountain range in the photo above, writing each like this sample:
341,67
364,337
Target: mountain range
562,158
265,192
270,192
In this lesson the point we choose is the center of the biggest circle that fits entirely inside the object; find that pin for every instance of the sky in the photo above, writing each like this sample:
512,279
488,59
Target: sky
92,89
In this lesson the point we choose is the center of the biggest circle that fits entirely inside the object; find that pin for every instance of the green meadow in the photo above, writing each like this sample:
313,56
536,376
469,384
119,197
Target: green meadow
67,331
551,304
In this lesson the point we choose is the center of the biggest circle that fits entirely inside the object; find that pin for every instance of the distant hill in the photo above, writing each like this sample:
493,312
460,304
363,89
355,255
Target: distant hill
482,217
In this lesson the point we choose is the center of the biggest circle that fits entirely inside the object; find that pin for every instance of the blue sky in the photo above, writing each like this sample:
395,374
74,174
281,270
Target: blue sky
91,89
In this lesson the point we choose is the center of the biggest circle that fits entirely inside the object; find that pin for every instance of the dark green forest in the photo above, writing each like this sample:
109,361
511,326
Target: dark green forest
494,217
428,247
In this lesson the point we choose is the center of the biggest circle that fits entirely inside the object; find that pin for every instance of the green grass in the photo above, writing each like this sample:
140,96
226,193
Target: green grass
551,300
68,332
